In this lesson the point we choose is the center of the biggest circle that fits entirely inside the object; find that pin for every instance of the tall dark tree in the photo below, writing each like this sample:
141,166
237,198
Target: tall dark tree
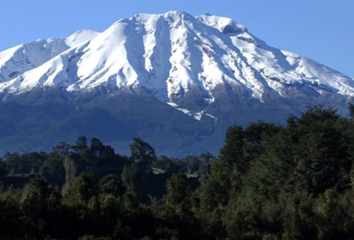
52,170
178,194
40,207
82,190
3,170
62,149
81,144
143,154
178,207
10,218
13,162
111,184
133,178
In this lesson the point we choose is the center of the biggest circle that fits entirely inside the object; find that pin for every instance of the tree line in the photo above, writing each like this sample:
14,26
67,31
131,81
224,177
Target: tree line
268,182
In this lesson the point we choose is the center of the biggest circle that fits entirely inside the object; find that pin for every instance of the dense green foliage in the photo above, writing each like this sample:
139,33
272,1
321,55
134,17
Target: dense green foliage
269,182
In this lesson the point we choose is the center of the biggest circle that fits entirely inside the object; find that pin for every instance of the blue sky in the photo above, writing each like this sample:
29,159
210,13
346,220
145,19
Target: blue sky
322,30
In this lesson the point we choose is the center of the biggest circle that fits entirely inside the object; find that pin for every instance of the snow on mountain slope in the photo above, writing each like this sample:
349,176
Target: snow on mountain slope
20,59
172,56
80,36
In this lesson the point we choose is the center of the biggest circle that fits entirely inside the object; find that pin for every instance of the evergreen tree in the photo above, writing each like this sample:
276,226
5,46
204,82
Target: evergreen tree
143,154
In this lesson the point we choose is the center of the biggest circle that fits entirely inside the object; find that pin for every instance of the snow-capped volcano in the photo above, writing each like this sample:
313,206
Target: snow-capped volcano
152,76
171,56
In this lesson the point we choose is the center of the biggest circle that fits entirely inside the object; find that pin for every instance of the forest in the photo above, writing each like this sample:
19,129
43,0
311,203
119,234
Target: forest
269,181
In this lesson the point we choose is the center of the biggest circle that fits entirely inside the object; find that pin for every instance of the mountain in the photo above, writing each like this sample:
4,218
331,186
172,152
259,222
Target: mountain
175,80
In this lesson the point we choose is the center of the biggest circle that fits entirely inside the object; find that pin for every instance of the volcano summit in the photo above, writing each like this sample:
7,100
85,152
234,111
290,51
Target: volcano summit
174,80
